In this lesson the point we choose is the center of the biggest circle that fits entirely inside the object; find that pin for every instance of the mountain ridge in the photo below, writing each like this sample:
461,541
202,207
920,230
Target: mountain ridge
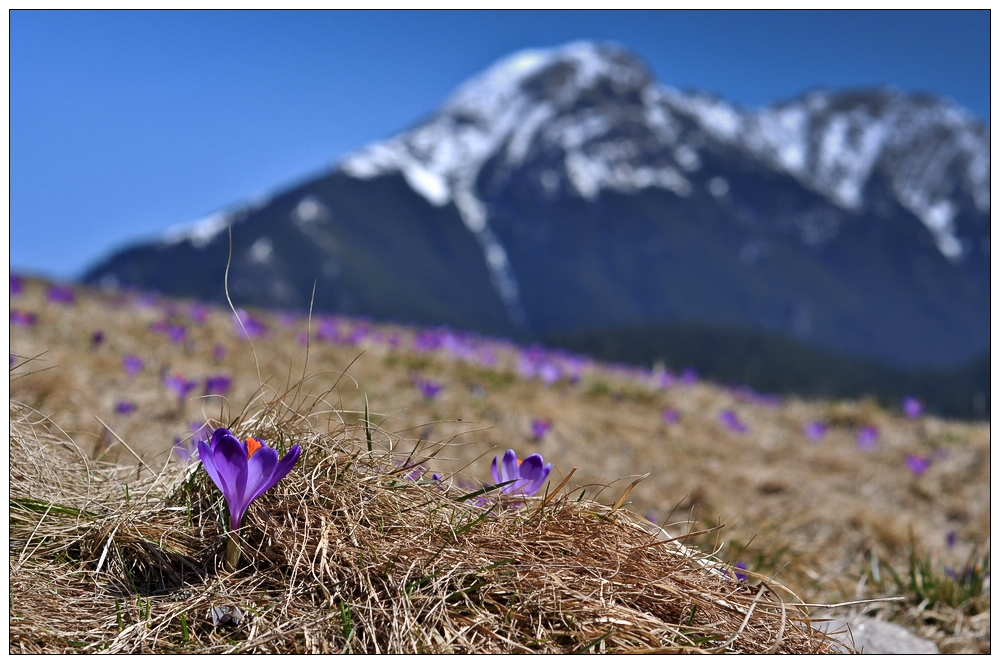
590,192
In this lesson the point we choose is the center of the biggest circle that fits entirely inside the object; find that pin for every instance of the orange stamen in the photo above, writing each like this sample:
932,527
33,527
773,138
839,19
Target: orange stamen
519,461
252,446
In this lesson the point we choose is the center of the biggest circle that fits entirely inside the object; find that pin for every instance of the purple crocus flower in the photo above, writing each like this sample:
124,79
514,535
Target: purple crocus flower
665,379
97,338
16,285
689,376
732,421
217,384
548,372
199,314
671,416
243,471
867,437
251,328
22,318
179,385
814,431
918,465
912,407
184,449
742,578
61,295
529,475
539,428
427,388
187,449
125,407
176,333
951,539
132,365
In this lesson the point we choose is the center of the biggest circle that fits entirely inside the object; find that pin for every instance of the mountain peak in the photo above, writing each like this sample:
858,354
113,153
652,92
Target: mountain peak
556,75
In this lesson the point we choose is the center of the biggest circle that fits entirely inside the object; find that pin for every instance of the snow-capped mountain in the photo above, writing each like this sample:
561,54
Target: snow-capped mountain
589,195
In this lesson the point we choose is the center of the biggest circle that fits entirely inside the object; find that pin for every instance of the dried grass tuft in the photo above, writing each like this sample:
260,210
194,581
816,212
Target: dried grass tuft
348,554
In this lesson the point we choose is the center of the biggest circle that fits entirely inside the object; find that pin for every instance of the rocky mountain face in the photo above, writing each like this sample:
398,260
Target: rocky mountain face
565,190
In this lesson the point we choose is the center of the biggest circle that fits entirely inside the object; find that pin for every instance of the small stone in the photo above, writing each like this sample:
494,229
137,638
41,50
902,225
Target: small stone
872,636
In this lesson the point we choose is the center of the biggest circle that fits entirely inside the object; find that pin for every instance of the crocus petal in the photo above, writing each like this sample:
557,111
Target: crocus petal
531,467
510,470
230,458
208,460
260,469
495,471
281,469
532,487
219,434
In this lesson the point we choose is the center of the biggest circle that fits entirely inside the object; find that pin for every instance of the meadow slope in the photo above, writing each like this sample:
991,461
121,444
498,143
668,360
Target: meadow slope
872,504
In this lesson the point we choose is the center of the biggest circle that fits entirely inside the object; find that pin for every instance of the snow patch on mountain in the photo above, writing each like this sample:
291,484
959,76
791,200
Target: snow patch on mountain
201,232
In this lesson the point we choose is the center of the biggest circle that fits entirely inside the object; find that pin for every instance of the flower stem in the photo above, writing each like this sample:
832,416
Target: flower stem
232,552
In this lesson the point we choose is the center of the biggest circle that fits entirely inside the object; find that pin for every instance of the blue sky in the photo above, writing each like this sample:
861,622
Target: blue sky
123,124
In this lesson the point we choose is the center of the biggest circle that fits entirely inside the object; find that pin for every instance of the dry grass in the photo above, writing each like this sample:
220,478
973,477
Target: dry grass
348,555
809,515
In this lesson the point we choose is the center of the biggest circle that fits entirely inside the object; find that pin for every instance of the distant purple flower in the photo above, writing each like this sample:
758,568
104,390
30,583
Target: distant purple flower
159,326
526,367
16,285
665,379
867,437
187,449
243,471
671,416
97,338
253,327
427,388
529,474
217,384
179,385
951,539
393,340
22,318
358,334
435,477
286,319
125,407
328,329
918,465
732,421
426,341
414,473
176,333
815,431
689,376
132,365
184,449
548,372
61,295
539,428
741,577
912,407
219,352
198,314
